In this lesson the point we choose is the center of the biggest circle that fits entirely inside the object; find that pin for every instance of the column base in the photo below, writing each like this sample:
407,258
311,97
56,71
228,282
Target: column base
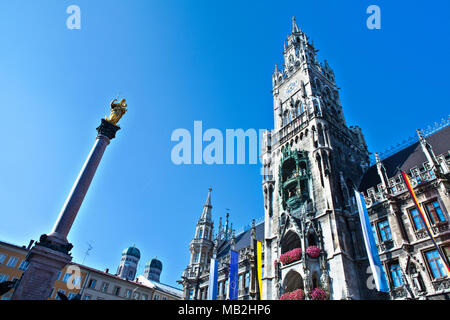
44,265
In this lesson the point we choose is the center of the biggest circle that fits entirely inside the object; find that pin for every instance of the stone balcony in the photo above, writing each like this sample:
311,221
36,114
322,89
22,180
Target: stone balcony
442,284
399,293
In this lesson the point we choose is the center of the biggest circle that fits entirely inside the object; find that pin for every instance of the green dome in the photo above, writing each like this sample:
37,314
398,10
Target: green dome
154,263
132,251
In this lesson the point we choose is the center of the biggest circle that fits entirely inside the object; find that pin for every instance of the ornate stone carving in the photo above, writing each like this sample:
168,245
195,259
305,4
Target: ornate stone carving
399,293
441,284
45,242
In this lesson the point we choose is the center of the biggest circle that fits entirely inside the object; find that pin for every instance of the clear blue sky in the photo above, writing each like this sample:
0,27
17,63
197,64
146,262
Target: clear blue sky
176,62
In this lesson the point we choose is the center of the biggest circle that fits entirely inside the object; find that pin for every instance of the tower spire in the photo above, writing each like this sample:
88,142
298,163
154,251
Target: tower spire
439,167
294,26
206,213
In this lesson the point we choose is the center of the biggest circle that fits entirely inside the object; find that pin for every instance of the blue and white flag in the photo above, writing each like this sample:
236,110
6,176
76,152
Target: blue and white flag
371,247
234,277
212,288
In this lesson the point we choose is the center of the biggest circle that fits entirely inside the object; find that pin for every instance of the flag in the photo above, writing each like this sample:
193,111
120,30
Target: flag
371,247
234,275
258,265
425,220
212,287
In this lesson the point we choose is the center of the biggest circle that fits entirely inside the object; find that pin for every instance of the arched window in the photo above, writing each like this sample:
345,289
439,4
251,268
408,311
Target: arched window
293,281
315,280
290,242
312,239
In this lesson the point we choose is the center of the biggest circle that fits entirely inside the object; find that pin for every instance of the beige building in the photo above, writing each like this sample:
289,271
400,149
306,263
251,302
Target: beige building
102,285
76,280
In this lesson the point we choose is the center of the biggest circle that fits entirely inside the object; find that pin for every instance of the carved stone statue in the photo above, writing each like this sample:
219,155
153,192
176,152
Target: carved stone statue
325,282
117,111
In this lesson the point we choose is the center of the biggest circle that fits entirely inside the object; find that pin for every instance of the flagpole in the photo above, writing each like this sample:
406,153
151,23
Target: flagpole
425,219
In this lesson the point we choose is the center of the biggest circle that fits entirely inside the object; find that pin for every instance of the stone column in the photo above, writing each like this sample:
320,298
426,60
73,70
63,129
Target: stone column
52,252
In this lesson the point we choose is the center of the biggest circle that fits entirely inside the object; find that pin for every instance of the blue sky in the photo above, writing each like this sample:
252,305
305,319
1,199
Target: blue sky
177,62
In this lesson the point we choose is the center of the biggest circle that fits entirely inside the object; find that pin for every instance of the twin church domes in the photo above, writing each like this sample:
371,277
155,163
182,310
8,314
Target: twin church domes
129,262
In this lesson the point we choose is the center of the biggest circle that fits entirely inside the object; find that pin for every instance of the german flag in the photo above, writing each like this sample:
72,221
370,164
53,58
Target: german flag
425,220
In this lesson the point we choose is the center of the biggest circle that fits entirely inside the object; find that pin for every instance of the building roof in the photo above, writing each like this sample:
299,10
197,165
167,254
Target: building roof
407,158
160,286
242,240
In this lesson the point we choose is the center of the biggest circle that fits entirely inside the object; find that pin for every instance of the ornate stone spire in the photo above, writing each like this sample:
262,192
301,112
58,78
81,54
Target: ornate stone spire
382,173
439,167
295,28
226,227
206,214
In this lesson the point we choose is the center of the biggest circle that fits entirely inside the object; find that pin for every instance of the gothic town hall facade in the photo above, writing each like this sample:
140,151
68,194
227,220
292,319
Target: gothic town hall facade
311,233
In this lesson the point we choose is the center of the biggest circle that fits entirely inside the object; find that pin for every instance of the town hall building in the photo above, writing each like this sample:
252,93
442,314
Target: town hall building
312,239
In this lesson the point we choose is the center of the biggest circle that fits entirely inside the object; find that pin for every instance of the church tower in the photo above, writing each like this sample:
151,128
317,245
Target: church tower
312,162
153,269
129,262
201,249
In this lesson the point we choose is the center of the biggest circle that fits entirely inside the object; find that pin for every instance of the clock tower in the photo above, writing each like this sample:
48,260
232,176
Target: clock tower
312,162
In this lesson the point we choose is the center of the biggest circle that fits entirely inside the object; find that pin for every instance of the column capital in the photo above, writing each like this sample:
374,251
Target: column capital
107,129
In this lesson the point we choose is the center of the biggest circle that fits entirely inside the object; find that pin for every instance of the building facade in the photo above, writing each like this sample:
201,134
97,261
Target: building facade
83,282
312,165
206,244
412,264
312,162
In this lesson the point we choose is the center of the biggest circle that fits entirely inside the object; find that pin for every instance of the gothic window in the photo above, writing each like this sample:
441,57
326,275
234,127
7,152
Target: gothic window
327,94
417,219
291,60
320,135
301,108
319,165
312,239
290,241
293,281
315,280
374,232
396,274
225,287
318,86
247,280
435,263
385,230
435,212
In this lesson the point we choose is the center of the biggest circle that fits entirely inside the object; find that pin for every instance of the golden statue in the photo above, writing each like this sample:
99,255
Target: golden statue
117,111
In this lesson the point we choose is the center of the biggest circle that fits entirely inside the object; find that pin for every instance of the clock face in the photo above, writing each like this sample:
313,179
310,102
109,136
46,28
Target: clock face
291,87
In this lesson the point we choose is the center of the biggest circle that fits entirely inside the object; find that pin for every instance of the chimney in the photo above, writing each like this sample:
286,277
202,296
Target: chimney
30,244
107,270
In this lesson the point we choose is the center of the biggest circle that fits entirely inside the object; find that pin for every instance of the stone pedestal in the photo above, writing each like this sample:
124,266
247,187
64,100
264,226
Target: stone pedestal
52,252
40,276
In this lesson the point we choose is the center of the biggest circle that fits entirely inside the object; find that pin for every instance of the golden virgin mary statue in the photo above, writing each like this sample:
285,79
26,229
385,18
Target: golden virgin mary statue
117,111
